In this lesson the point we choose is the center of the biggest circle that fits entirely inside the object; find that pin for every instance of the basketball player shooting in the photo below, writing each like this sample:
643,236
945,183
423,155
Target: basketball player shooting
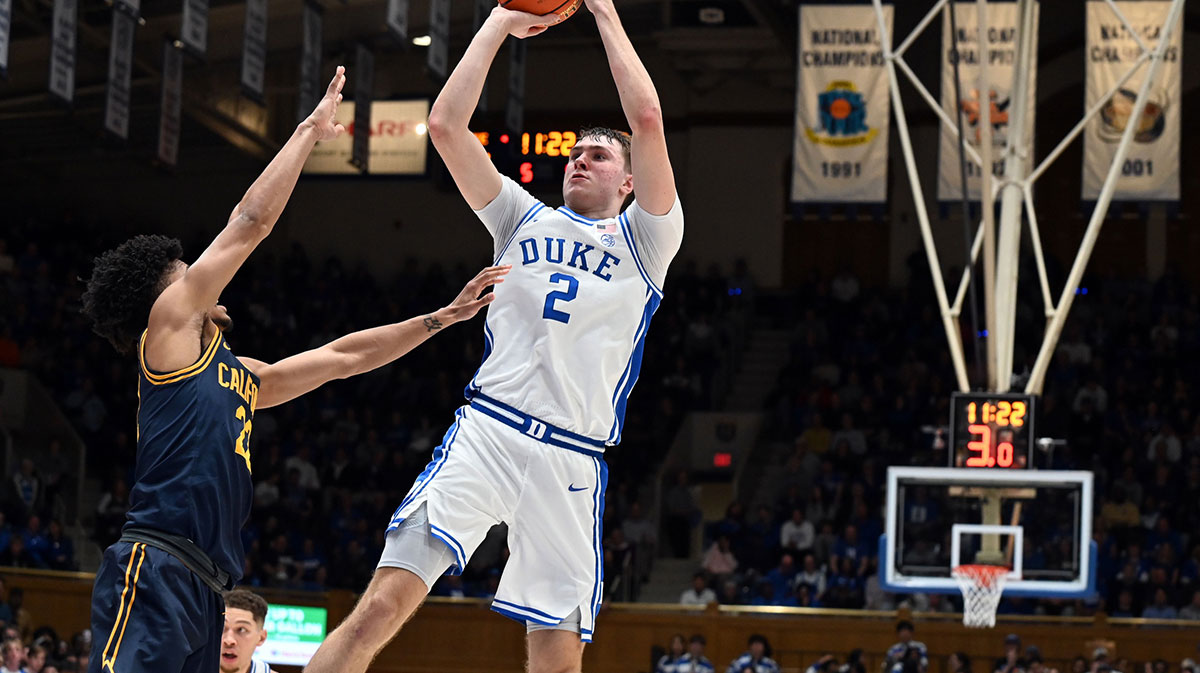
563,345
157,602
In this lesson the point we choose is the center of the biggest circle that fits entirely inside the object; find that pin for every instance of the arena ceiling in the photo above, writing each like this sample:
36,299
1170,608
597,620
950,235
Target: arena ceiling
707,43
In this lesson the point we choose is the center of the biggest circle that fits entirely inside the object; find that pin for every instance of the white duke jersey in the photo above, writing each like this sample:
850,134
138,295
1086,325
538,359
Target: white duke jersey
563,339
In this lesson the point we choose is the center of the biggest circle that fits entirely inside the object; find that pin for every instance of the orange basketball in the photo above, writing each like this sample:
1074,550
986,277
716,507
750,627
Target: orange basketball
563,8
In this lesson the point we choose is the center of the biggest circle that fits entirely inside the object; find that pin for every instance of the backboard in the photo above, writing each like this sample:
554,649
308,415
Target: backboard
1038,523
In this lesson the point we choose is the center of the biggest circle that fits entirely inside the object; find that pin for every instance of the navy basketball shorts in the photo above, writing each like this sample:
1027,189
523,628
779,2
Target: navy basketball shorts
151,614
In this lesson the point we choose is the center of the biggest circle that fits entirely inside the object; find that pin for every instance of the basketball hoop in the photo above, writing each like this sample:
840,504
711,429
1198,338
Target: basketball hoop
981,587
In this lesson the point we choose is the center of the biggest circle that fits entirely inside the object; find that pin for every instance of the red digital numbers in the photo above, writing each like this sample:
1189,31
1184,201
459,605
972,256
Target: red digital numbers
526,172
982,447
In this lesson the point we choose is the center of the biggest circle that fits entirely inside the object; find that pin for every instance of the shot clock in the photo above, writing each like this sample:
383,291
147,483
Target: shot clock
991,430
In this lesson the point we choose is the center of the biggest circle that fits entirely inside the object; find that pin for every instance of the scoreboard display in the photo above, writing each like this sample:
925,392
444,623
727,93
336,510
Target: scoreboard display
992,430
532,157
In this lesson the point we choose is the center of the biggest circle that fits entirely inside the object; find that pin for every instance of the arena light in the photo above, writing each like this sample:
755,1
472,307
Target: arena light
422,40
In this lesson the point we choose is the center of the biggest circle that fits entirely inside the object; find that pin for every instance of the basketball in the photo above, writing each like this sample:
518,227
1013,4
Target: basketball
563,8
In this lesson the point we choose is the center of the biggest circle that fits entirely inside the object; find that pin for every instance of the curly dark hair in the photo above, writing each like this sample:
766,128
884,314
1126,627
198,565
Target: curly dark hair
124,284
249,601
619,137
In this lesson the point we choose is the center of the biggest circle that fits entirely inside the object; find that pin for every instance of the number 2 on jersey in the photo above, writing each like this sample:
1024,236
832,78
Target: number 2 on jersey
242,446
551,313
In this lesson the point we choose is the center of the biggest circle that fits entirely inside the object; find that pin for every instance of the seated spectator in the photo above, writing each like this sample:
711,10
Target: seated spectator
12,654
762,537
60,554
35,658
1191,610
110,512
731,593
643,535
797,533
695,661
812,576
681,515
849,547
698,593
674,660
805,598
26,490
756,659
845,588
719,560
958,662
17,556
1011,662
904,642
36,542
826,664
1124,606
1160,609
782,576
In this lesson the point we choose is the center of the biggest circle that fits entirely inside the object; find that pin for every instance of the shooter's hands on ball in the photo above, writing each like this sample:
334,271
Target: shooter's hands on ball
523,24
322,118
468,302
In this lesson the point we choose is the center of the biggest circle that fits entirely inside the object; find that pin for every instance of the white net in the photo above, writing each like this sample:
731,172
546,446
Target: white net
981,587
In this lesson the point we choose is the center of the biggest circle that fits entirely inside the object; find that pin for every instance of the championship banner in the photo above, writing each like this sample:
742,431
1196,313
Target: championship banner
120,69
438,55
62,50
310,62
364,79
170,119
483,8
254,50
1001,52
1151,167
840,147
397,19
514,112
193,31
5,26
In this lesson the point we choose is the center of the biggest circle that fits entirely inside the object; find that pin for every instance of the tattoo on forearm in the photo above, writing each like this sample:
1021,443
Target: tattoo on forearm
432,324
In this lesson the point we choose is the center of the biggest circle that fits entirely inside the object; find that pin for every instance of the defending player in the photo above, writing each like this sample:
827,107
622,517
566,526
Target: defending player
563,348
157,601
245,617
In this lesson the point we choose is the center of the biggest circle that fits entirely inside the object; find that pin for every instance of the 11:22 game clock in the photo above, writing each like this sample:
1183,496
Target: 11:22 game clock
529,157
991,430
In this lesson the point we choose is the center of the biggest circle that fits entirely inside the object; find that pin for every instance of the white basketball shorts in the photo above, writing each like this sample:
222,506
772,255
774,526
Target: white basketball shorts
497,464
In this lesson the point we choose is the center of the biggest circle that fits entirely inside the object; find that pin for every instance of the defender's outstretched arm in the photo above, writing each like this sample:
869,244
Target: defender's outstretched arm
363,351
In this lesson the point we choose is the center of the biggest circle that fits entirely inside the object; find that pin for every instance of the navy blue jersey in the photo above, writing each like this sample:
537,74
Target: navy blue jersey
193,452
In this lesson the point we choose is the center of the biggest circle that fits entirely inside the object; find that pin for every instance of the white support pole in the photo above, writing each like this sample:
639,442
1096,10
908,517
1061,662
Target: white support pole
986,197
948,125
1011,201
967,276
1035,237
1054,328
953,337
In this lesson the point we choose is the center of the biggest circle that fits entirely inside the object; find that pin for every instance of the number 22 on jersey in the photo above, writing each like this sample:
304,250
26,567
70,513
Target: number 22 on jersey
242,445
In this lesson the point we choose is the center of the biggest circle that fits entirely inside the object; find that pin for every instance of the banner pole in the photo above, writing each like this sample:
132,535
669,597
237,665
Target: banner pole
1054,328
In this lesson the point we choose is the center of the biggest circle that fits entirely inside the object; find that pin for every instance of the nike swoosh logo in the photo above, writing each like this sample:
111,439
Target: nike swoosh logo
572,488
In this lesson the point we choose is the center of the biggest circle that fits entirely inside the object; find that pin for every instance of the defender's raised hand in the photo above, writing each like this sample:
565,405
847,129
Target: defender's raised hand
322,118
468,302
